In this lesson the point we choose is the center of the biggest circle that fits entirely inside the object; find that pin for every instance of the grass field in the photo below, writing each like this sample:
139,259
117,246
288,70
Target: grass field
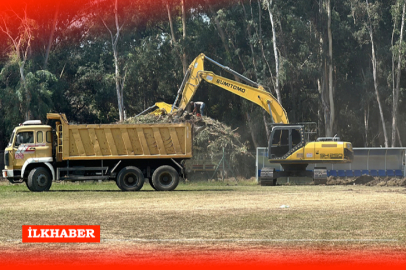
208,217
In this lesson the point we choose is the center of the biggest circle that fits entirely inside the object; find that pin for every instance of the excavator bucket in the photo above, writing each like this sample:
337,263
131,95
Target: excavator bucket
163,108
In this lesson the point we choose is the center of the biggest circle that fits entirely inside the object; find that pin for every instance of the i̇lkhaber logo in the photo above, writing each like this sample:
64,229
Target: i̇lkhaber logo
61,233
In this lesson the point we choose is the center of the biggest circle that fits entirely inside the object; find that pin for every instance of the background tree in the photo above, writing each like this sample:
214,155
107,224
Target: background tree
19,29
396,74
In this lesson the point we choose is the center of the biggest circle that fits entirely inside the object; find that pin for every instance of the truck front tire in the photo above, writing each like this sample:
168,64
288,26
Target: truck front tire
26,183
130,179
165,178
39,179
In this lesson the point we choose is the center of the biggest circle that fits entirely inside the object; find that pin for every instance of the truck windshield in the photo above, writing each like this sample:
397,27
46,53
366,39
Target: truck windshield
11,139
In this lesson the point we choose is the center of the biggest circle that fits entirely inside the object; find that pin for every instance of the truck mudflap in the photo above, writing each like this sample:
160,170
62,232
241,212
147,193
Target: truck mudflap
181,167
267,177
320,175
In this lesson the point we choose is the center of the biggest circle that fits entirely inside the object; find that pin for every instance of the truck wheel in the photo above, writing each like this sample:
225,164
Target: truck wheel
39,179
165,178
130,179
26,183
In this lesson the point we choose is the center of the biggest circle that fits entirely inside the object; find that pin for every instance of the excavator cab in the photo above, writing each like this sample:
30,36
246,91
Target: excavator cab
284,140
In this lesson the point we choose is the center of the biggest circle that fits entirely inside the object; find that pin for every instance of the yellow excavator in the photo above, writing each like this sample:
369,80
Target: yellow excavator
287,145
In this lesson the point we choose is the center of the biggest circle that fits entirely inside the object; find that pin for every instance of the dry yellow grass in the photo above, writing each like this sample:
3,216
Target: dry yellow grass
209,217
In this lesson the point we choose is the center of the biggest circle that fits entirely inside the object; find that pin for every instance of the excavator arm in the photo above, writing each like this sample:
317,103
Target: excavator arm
248,90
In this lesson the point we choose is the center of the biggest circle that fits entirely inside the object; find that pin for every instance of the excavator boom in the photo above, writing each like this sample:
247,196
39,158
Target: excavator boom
255,93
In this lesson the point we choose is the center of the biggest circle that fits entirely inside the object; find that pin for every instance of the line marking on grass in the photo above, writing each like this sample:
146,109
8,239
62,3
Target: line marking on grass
245,240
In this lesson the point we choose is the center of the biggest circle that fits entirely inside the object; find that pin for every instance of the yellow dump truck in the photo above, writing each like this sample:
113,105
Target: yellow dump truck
38,154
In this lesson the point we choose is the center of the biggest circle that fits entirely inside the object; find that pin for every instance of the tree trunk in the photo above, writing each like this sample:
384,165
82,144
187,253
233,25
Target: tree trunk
293,94
259,32
374,72
396,90
184,55
329,128
115,50
248,31
366,124
171,25
275,50
22,60
118,80
254,140
400,141
28,114
322,86
393,64
118,88
51,36
319,122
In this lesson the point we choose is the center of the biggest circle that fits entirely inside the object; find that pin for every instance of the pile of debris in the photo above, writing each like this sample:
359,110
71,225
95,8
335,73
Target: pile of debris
367,180
212,142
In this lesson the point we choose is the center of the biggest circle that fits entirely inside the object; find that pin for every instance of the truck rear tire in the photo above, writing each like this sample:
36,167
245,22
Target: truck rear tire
165,178
130,178
39,179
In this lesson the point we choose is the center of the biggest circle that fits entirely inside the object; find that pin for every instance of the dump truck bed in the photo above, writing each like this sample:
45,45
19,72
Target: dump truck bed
121,141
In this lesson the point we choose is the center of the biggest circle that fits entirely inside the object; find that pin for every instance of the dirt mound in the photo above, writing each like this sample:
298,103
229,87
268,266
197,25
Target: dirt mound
366,180
363,179
211,141
387,181
345,181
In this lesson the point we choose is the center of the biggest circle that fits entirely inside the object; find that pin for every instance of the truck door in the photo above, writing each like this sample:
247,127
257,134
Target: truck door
23,148
43,143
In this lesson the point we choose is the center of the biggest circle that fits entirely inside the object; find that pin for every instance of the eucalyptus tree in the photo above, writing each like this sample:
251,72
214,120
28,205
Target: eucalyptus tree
19,30
396,74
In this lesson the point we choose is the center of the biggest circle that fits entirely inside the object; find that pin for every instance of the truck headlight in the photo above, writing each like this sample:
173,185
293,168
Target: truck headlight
6,158
348,146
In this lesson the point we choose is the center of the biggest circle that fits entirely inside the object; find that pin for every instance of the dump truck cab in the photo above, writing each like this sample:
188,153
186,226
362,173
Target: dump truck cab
30,145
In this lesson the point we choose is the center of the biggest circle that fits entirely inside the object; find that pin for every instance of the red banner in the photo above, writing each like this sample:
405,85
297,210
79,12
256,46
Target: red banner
61,233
